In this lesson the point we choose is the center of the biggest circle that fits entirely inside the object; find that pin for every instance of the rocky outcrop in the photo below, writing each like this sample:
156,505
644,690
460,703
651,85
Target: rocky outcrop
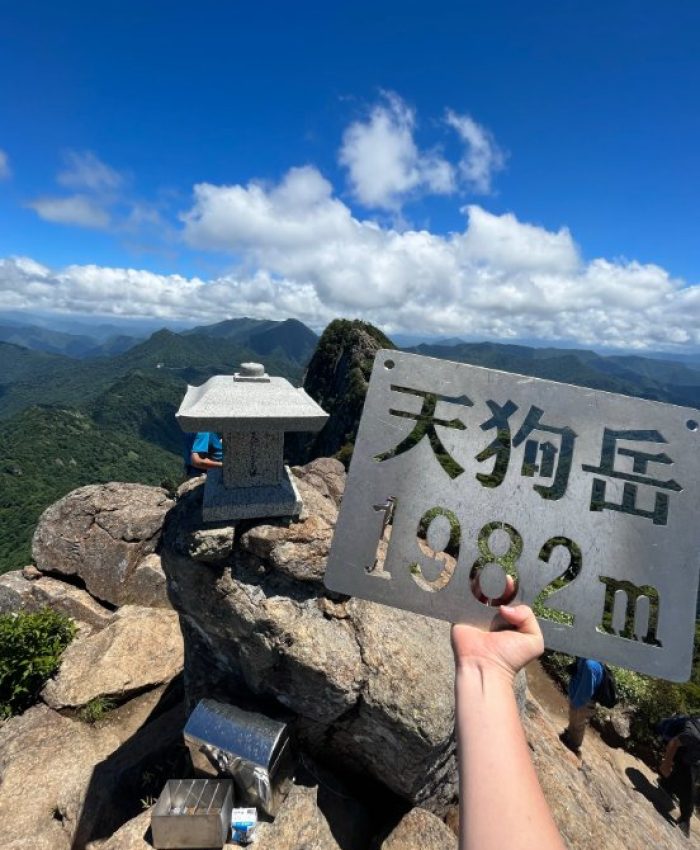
19,593
337,378
367,691
302,824
369,686
46,762
139,650
104,534
421,830
63,781
608,799
326,475
135,834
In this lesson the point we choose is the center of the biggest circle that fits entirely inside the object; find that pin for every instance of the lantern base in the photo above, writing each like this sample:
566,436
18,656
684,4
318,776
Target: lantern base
232,503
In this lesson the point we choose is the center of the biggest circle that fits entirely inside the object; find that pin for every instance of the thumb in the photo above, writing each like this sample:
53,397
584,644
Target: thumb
522,618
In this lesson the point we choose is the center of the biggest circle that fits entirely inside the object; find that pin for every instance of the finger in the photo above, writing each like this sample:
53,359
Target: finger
522,618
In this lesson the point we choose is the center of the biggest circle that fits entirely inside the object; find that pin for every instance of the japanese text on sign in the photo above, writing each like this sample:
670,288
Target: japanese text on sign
471,488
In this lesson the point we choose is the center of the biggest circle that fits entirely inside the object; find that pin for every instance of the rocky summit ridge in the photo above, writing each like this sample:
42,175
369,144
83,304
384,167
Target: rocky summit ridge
170,610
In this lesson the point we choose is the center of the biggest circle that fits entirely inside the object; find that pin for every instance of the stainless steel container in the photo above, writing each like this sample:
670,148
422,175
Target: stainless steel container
192,813
251,748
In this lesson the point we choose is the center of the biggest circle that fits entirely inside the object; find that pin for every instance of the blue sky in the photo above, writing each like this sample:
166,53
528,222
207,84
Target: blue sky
569,129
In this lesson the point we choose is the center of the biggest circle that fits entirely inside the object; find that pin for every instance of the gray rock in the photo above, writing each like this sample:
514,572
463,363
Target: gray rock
371,686
46,763
597,803
401,729
135,834
141,648
17,593
147,585
102,533
326,475
421,830
212,544
302,824
297,549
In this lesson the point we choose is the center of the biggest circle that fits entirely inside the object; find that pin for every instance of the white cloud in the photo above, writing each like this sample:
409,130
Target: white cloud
301,252
385,165
384,162
74,209
86,172
482,156
97,201
5,171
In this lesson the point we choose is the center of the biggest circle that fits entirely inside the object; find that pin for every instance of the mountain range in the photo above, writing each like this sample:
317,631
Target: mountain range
78,409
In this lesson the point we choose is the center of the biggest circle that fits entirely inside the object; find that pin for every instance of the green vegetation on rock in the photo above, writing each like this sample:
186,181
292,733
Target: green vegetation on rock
337,378
30,650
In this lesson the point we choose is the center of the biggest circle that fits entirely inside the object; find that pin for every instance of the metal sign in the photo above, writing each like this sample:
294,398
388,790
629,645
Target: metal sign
470,488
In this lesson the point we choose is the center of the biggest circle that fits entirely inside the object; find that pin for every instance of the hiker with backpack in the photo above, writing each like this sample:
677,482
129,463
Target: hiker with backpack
678,765
591,682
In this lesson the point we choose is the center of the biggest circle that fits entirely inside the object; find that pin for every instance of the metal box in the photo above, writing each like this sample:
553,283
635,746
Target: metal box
253,749
192,813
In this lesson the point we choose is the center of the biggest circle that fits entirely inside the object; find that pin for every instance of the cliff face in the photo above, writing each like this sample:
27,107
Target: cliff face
337,378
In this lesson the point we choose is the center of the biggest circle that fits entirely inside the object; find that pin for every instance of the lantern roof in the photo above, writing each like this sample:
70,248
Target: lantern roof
249,401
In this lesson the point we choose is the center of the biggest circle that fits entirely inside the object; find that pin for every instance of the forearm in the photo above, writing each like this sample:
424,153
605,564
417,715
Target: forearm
501,802
667,761
204,463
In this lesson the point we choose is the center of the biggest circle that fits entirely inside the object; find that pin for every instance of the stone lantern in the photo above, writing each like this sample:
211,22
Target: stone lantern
252,412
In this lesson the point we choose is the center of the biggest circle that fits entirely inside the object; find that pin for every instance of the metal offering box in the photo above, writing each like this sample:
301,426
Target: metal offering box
251,748
192,813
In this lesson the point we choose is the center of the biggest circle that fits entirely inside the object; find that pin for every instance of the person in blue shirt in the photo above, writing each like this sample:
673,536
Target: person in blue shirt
204,451
585,681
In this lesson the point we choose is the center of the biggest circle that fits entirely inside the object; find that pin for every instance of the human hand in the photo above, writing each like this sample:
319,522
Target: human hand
665,768
506,648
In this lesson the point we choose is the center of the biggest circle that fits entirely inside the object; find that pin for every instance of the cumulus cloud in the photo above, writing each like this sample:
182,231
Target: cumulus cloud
383,161
482,156
386,166
300,252
78,210
5,172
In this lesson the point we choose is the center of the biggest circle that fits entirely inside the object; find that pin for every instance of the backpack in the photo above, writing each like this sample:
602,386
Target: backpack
671,727
690,742
606,693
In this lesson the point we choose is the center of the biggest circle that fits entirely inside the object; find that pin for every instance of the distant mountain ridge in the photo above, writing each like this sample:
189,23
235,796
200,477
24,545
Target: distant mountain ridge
658,380
58,342
264,337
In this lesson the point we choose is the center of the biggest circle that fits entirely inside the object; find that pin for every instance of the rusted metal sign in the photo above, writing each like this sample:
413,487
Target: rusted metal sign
470,488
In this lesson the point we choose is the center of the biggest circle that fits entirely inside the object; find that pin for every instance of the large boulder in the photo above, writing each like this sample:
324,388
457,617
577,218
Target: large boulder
421,830
326,475
18,593
304,824
140,649
135,834
46,763
64,782
104,535
369,686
